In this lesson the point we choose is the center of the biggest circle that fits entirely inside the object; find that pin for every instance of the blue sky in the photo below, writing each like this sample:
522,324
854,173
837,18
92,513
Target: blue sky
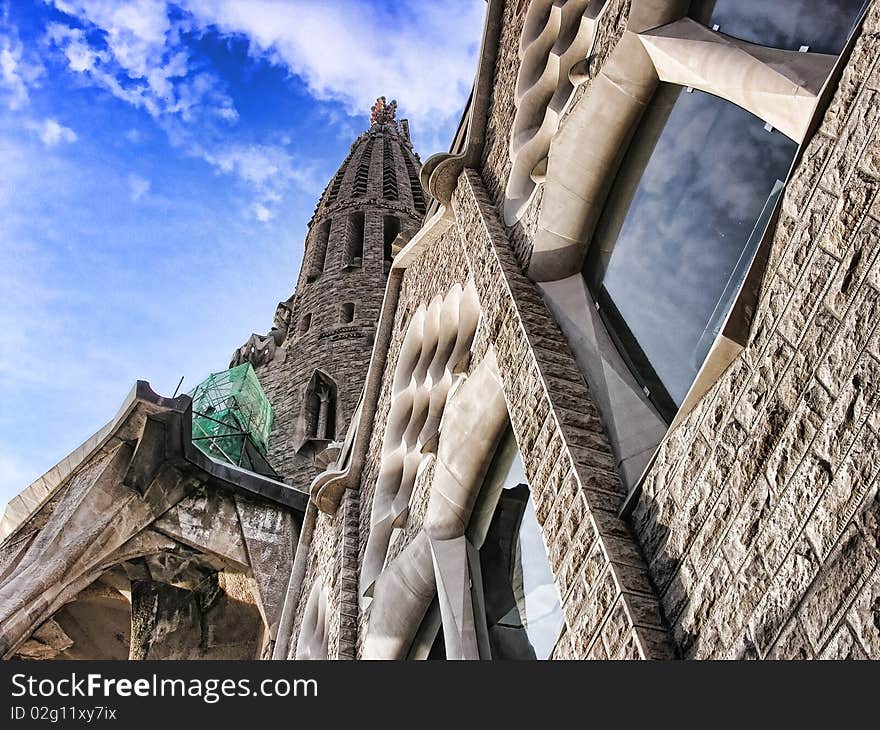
159,162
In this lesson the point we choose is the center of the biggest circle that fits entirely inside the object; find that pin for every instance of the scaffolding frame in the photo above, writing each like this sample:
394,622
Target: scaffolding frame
232,419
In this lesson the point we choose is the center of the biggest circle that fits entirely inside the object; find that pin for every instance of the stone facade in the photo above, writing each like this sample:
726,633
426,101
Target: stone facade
753,530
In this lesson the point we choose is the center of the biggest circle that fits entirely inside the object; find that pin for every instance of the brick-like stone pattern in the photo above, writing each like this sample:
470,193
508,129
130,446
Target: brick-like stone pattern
333,559
761,515
325,551
496,164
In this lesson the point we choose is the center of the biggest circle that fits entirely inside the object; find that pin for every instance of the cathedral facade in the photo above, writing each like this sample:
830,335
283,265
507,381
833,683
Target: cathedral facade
601,382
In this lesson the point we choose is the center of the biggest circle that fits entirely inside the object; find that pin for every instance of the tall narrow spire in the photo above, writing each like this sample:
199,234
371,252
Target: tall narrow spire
313,363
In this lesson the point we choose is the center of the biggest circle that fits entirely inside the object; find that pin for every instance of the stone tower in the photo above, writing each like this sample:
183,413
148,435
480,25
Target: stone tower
313,363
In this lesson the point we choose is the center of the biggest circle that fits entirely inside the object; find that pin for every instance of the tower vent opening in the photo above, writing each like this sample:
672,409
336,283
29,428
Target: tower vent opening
362,178
391,228
355,239
389,174
318,257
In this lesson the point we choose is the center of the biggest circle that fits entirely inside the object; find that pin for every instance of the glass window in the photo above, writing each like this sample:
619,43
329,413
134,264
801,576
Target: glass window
523,613
823,25
680,229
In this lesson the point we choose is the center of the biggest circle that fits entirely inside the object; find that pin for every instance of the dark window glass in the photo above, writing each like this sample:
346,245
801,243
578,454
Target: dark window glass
681,227
823,25
523,613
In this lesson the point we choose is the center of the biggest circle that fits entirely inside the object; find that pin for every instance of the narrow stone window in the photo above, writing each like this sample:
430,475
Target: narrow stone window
355,239
320,408
318,257
391,227
346,313
416,185
335,187
305,324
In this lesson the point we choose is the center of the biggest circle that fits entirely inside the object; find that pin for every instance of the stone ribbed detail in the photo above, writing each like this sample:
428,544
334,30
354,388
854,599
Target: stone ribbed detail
349,517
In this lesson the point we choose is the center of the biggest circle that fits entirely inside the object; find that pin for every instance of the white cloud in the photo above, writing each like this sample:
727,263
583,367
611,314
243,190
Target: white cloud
17,74
351,51
269,169
262,213
51,132
134,50
138,187
347,51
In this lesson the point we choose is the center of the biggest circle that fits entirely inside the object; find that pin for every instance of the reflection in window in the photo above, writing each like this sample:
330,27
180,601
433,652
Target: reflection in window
684,219
523,613
822,25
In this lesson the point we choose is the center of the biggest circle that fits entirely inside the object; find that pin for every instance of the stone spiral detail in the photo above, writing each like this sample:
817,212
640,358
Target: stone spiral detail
557,38
433,357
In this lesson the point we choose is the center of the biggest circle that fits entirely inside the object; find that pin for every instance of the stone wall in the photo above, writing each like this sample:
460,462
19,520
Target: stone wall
761,515
609,604
323,565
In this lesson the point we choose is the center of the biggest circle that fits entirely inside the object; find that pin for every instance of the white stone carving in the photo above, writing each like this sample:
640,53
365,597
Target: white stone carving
442,560
314,633
557,38
433,357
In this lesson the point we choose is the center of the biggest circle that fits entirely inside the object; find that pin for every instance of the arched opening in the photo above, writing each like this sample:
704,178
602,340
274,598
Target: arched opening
391,229
356,225
319,411
305,324
346,313
318,258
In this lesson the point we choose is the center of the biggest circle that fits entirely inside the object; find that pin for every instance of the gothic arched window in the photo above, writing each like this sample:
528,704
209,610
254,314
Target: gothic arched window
319,408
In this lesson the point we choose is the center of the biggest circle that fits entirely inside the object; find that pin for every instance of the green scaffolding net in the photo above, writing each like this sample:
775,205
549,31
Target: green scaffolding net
232,419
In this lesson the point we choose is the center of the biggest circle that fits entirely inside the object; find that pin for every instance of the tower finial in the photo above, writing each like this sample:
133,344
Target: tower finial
384,112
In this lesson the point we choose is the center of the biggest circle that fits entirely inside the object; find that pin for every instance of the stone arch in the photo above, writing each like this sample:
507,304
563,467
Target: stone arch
318,416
